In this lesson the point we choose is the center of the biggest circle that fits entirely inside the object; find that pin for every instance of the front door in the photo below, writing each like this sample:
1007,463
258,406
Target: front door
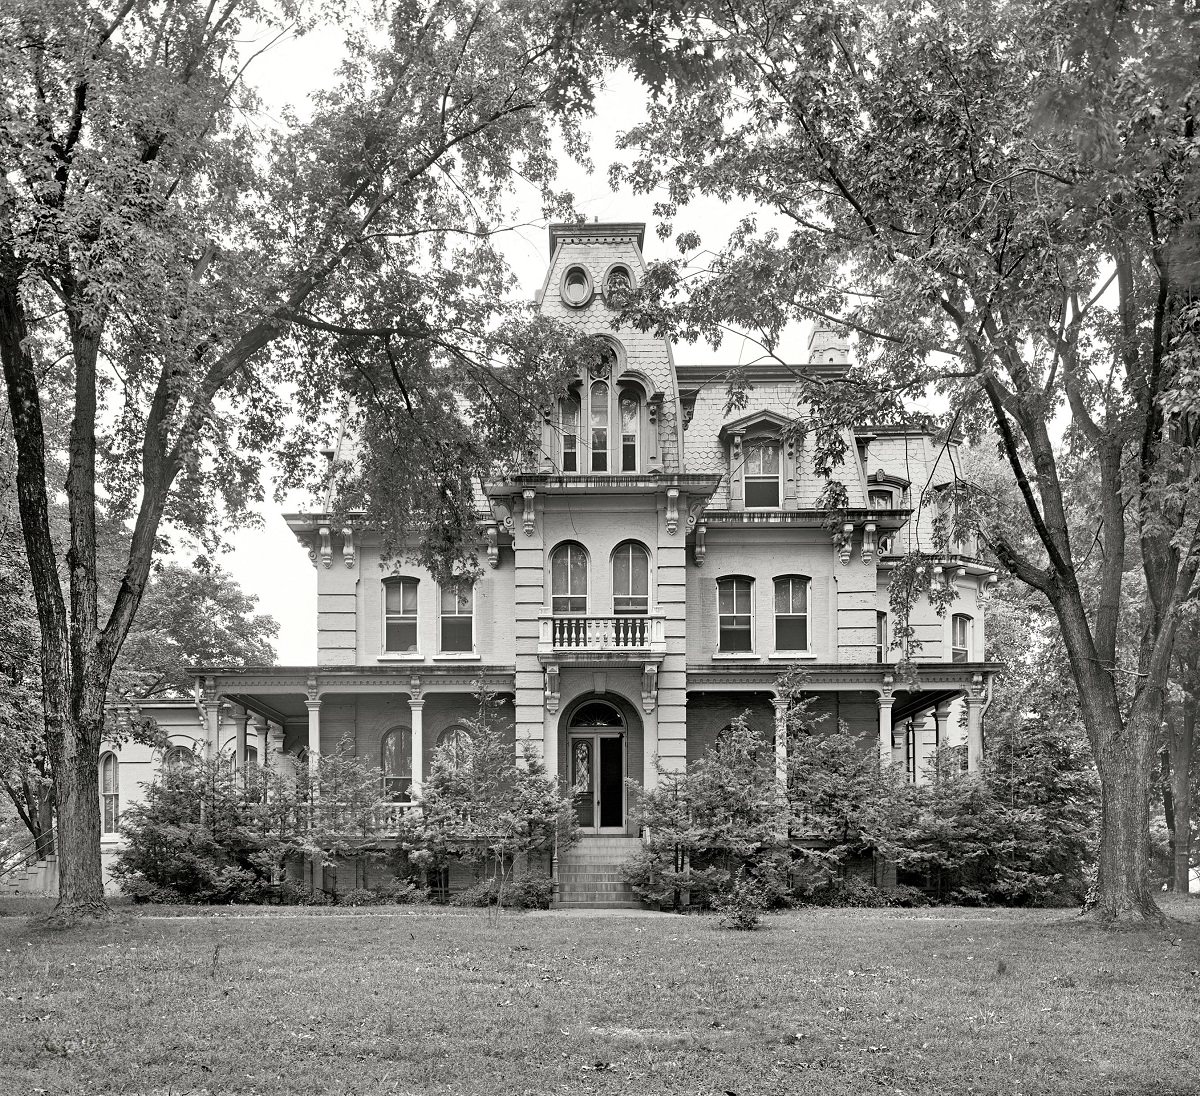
598,780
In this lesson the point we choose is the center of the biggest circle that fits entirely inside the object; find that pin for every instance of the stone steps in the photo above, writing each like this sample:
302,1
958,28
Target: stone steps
590,877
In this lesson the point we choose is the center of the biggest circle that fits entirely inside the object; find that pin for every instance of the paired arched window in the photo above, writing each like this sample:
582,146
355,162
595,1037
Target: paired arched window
396,763
960,638
110,791
568,416
455,742
791,613
735,615
569,579
631,580
630,408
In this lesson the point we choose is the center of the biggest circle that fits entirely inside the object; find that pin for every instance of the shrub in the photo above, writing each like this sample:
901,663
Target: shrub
522,892
741,907
859,894
359,896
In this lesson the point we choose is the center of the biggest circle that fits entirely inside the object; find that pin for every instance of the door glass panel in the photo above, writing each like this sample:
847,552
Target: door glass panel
611,783
582,785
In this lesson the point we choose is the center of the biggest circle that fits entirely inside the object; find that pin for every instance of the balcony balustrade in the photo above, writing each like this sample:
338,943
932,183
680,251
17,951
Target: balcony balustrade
637,636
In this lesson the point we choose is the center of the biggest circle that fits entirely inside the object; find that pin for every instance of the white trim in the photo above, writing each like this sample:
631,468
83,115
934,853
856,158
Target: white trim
753,652
437,625
395,656
398,580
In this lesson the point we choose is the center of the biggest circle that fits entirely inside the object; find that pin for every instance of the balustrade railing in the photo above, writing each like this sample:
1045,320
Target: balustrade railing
607,633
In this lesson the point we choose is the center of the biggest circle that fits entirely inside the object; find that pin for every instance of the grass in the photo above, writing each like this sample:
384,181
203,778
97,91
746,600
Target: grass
407,1001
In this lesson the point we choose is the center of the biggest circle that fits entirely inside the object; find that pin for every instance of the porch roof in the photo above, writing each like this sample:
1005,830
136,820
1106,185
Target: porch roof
930,677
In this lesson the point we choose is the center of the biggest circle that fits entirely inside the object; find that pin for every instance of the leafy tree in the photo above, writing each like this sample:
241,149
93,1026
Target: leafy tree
1000,200
177,274
204,833
718,830
483,806
190,616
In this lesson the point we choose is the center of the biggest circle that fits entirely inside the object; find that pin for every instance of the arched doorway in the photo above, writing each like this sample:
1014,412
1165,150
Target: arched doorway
596,744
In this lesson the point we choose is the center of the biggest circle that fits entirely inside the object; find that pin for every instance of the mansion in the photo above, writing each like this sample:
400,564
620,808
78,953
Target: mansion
649,580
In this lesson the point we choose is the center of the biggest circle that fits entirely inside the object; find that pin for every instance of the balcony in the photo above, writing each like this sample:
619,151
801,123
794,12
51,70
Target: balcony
596,638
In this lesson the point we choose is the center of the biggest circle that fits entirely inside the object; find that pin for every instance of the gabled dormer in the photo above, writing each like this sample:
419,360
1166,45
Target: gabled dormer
761,452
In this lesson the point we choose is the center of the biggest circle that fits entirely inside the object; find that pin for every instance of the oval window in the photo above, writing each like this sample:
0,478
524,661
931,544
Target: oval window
576,287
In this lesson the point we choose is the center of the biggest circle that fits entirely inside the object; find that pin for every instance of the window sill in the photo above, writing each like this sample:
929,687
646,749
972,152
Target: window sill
456,656
414,656
793,656
736,656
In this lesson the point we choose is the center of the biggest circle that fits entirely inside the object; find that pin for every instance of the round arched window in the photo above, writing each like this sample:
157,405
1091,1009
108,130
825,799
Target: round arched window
576,286
618,281
178,758
456,743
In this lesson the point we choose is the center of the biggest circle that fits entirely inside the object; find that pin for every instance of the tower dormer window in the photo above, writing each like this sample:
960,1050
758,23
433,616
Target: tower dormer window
630,409
598,421
762,474
576,287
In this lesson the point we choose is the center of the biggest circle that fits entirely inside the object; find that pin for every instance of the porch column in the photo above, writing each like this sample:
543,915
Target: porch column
314,733
974,732
417,708
781,756
212,726
260,738
885,729
941,724
240,718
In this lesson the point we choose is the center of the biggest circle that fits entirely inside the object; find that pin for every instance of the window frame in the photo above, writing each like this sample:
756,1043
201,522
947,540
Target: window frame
459,731
965,648
604,450
805,582
448,652
589,287
762,444
569,402
110,801
882,645
630,545
389,616
748,652
173,755
571,595
887,493
394,795
635,398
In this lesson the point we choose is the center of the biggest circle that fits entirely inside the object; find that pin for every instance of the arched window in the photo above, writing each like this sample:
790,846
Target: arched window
735,615
178,758
631,413
455,742
791,613
396,759
251,757
762,474
598,420
568,412
631,580
110,791
400,615
568,579
960,638
619,281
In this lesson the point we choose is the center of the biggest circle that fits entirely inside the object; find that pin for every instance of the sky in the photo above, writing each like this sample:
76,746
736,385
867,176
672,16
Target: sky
268,561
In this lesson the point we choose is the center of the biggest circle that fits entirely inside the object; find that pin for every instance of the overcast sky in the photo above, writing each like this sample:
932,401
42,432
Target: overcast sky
270,562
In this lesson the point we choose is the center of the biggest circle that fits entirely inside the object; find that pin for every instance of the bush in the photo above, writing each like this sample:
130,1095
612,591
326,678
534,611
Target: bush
289,892
523,892
359,896
859,894
741,907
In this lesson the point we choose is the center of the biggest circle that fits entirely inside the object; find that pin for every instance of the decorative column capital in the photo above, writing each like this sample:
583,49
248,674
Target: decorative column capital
313,705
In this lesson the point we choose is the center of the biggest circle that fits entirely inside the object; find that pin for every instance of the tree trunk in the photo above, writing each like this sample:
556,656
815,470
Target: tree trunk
1181,771
1165,756
1124,760
81,882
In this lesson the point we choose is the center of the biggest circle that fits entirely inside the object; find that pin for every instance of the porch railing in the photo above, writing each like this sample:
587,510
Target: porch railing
635,634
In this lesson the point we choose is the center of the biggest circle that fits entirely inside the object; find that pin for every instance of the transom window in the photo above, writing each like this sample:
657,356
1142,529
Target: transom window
598,416
569,416
630,416
960,641
455,744
110,797
178,758
396,757
762,474
400,615
631,580
791,613
457,617
735,615
568,579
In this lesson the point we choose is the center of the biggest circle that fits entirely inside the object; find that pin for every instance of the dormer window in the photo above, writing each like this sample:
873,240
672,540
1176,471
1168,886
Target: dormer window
617,281
630,408
881,500
576,287
762,474
568,411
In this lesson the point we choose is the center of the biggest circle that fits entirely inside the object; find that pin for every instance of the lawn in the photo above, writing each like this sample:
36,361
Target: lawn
407,1001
